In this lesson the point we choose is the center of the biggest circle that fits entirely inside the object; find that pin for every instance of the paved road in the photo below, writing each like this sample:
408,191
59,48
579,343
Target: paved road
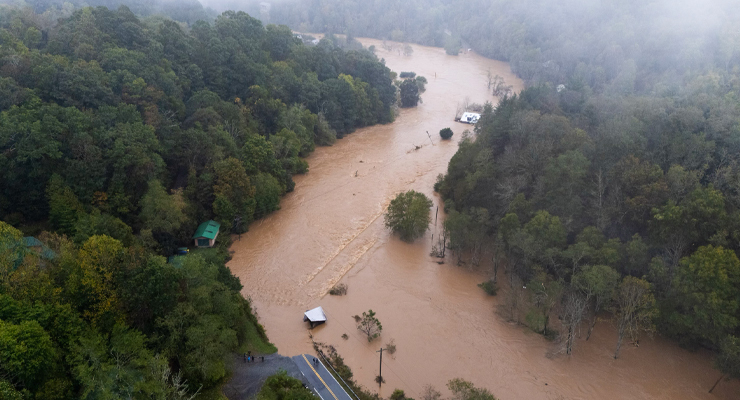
319,377
247,378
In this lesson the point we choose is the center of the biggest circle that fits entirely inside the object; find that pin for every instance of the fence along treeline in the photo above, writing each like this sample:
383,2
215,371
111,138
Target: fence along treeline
120,136
105,112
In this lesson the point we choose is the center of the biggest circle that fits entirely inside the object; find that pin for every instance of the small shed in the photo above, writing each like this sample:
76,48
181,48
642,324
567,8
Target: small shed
315,316
470,118
205,235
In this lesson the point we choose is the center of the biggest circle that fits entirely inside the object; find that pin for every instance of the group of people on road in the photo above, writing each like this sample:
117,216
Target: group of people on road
248,357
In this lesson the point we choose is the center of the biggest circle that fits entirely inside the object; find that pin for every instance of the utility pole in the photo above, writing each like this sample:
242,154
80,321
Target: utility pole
430,138
380,374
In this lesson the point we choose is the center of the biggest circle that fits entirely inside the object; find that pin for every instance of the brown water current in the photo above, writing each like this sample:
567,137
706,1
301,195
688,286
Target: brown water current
330,230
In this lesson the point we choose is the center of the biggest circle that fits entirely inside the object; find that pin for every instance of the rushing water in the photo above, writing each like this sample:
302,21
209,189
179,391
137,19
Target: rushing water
330,230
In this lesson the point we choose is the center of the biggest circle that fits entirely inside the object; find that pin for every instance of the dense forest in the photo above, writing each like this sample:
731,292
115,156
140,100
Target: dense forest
110,122
612,182
118,137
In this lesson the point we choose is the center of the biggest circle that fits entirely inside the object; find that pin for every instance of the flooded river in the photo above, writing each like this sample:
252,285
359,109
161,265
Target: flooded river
330,230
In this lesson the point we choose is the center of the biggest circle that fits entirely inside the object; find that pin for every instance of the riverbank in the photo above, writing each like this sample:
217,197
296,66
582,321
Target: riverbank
330,229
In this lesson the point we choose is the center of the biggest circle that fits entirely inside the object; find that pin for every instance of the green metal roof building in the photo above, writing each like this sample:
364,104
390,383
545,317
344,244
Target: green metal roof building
43,251
205,235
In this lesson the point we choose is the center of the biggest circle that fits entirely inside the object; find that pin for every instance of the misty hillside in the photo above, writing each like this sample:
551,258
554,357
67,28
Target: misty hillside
621,46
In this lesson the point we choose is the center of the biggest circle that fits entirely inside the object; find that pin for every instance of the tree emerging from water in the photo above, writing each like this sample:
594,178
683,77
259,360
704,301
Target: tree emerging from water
409,93
369,325
408,215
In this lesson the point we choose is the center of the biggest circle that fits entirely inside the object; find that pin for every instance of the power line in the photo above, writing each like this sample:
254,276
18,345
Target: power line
386,364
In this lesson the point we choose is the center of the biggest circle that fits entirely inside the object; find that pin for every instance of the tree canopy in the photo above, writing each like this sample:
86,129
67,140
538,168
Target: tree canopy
408,215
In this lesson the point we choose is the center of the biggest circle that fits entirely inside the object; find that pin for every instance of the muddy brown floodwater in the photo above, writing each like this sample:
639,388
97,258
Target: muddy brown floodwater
330,230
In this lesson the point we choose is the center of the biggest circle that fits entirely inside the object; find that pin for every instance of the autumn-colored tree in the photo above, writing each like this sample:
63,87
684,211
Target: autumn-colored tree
93,284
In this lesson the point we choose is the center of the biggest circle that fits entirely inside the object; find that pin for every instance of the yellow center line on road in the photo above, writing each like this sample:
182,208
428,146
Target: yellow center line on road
317,374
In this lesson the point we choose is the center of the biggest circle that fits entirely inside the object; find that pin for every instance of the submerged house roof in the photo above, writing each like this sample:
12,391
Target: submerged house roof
470,118
315,315
43,251
208,229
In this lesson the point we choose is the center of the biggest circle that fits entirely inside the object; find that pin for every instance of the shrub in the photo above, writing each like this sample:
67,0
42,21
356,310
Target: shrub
391,346
338,290
405,75
446,133
398,394
489,287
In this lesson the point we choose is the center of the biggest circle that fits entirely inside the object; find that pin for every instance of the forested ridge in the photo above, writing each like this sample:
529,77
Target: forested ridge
118,137
121,109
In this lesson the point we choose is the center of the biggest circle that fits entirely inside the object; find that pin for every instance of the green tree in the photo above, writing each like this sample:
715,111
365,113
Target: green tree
8,392
283,387
707,298
409,93
452,46
267,194
120,367
408,215
728,359
369,325
64,208
98,223
446,133
597,283
160,211
547,293
26,352
634,309
234,194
